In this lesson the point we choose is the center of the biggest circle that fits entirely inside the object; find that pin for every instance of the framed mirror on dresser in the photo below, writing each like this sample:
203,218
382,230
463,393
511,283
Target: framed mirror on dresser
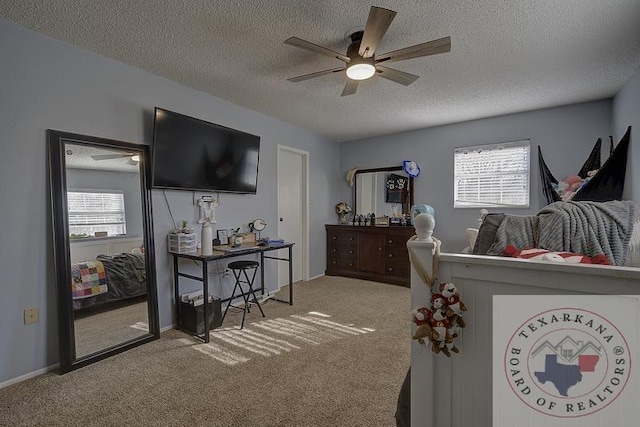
103,247
378,190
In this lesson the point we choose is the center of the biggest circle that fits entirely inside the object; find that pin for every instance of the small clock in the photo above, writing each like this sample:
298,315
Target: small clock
257,224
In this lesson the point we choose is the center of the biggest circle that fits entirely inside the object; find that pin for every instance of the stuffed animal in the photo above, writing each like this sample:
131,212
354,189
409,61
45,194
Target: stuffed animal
437,301
440,327
454,306
422,319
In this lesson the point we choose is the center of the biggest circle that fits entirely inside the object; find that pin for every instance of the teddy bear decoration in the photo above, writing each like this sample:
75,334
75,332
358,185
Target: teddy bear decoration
441,320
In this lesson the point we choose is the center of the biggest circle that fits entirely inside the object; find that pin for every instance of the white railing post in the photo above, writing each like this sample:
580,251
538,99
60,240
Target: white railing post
421,251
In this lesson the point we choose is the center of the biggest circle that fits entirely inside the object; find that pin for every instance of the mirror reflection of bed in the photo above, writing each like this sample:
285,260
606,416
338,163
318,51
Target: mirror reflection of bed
109,285
118,311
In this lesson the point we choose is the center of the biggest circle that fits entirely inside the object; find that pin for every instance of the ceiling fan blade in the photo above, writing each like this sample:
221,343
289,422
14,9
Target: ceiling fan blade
110,156
132,162
433,47
377,24
303,44
316,74
350,87
396,75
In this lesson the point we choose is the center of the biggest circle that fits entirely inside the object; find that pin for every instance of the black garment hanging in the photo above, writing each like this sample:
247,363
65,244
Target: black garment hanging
607,184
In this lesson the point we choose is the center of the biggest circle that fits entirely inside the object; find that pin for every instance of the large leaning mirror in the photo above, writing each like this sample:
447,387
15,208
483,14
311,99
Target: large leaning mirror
103,244
380,190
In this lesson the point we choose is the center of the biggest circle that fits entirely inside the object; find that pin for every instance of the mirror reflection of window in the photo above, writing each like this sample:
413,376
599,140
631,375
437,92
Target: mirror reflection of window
366,186
101,211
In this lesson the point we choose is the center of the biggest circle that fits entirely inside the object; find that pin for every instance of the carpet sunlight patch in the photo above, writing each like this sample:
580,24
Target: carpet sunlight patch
272,337
140,325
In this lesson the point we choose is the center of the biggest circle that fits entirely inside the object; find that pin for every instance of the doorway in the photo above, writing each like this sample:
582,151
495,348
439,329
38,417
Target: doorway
293,211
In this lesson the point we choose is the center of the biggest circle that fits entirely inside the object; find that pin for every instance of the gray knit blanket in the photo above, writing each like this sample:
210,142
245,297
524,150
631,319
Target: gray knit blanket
588,228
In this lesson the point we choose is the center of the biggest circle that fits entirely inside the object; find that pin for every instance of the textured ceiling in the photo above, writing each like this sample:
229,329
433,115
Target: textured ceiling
506,56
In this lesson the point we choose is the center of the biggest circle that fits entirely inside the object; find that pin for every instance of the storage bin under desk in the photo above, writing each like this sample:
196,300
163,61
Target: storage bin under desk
191,317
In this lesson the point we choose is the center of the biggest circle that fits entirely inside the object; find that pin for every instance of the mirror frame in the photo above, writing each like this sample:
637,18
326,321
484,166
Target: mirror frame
385,169
61,247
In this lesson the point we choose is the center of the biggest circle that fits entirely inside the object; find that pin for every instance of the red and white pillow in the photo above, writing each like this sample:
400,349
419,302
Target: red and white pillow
561,257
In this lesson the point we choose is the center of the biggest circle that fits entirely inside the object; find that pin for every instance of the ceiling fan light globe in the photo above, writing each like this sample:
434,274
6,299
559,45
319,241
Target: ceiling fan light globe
135,158
361,71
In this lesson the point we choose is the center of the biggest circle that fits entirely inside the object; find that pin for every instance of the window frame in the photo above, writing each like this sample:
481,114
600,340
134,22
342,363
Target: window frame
475,204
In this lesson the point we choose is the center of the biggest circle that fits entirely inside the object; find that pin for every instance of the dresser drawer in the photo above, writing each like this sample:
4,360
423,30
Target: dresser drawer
347,252
342,240
342,264
400,268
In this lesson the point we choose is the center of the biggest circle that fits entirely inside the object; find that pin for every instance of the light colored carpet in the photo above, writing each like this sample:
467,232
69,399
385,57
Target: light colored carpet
337,357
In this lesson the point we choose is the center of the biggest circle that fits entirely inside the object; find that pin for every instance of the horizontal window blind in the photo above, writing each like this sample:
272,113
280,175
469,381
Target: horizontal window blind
495,175
96,210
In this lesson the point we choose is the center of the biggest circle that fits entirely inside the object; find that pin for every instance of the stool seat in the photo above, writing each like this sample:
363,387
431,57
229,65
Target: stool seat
240,269
242,265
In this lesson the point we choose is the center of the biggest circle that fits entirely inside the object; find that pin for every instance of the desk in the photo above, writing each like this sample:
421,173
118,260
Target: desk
246,249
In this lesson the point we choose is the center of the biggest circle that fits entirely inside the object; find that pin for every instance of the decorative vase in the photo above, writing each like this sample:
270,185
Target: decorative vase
206,240
342,218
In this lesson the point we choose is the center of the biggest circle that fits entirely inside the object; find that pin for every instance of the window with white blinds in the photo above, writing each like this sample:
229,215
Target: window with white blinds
495,175
96,210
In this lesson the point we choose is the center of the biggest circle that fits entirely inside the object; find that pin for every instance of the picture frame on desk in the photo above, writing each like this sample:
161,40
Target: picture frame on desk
223,236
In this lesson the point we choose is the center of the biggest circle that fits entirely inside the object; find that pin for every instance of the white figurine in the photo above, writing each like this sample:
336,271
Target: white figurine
207,211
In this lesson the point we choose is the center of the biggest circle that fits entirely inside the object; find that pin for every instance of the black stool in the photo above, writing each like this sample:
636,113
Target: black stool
239,269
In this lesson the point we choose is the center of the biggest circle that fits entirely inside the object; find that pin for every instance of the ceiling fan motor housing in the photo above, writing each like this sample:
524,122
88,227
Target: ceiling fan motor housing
359,68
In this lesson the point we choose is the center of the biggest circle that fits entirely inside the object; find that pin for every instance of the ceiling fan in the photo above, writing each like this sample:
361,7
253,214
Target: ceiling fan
361,61
133,157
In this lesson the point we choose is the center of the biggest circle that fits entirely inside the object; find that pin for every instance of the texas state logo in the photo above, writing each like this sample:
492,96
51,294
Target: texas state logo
567,362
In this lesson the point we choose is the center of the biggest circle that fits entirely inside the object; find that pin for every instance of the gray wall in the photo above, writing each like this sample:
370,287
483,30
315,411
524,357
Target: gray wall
566,135
626,112
128,182
48,84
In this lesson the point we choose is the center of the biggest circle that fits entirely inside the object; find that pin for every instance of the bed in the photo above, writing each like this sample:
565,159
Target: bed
457,390
108,278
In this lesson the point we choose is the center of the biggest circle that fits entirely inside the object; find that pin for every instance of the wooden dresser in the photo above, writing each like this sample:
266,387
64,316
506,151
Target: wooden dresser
372,253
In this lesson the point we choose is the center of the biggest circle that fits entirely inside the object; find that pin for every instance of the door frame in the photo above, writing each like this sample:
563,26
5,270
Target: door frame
305,206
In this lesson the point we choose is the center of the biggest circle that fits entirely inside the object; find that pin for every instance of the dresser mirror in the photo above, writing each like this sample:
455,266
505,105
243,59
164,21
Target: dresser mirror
103,247
378,190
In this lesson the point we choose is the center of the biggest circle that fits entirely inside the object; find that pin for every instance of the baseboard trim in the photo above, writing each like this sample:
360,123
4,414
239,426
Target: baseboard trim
29,375
316,277
52,367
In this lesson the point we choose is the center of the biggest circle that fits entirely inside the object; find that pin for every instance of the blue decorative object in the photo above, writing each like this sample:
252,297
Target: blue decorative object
411,168
418,209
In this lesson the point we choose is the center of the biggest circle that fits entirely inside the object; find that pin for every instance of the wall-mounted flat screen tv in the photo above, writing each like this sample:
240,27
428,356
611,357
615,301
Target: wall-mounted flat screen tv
192,154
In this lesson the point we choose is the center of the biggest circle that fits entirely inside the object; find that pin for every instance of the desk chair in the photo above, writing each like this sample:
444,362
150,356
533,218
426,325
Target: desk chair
240,272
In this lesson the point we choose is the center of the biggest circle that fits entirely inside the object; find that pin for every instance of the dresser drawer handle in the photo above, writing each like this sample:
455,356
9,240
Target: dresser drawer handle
380,249
350,264
390,241
351,239
390,255
350,252
390,269
333,262
334,237
334,250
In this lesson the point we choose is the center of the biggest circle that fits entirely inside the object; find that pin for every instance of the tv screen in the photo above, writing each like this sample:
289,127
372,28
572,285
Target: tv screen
192,154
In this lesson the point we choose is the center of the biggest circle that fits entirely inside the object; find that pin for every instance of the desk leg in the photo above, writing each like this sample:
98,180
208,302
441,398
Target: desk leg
205,294
262,272
176,288
290,275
